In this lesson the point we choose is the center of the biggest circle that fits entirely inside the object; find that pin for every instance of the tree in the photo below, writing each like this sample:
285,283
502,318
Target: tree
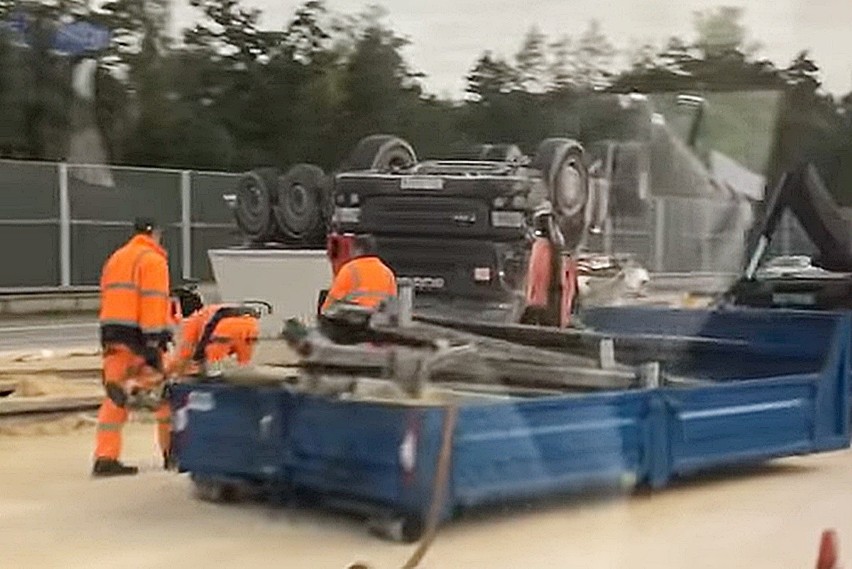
803,73
306,37
559,67
490,76
720,31
592,58
378,83
6,8
139,32
531,62
643,57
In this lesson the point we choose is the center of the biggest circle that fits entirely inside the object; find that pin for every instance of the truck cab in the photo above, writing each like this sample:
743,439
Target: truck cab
461,230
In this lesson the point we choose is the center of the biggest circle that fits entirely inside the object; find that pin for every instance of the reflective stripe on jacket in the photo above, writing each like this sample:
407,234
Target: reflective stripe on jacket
135,293
365,281
233,335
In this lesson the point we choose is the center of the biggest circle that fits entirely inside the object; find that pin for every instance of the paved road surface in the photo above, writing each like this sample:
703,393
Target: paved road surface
41,332
52,515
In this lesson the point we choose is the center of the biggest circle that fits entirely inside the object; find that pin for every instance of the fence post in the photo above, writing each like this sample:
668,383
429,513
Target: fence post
607,235
64,226
186,224
659,234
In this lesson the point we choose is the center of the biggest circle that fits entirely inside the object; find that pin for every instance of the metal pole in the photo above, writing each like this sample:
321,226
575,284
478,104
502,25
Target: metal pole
659,233
64,226
406,302
186,223
607,231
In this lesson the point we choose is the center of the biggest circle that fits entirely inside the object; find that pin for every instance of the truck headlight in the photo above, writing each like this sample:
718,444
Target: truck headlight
347,214
507,218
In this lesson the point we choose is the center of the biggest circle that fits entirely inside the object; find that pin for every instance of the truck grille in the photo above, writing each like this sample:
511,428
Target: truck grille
425,215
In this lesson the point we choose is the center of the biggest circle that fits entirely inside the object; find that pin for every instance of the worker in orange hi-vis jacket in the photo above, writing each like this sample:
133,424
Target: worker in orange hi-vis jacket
210,334
364,280
134,327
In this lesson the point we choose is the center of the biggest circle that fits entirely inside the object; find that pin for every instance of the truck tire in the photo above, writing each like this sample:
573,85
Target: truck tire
301,211
255,198
561,162
215,491
403,529
490,152
382,152
502,153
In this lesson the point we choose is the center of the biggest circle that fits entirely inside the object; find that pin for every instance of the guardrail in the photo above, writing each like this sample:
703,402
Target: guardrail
19,301
47,291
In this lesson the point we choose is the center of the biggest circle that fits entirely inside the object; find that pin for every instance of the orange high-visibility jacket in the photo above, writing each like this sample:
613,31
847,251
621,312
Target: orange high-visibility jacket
135,294
365,281
233,335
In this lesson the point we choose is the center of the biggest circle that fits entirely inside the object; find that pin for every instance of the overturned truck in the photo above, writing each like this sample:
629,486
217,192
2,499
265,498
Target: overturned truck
491,232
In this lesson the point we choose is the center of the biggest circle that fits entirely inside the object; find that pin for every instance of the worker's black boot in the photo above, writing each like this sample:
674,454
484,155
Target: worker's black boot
110,467
169,462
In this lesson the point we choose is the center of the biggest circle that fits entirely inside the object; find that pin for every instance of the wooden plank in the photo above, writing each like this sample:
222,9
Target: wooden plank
529,374
630,347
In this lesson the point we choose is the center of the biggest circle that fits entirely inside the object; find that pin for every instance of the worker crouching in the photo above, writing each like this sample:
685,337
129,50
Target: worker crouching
134,329
209,335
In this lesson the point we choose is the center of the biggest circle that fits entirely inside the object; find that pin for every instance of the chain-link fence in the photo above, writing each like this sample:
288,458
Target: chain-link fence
59,222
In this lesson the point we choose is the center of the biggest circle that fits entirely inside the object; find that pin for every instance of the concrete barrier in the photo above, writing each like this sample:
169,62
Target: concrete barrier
31,302
76,300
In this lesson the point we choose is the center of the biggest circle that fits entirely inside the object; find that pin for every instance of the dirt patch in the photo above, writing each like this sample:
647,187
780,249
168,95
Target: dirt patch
79,362
49,385
46,426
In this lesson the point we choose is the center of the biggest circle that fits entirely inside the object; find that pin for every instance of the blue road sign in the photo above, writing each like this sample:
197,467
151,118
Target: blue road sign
75,38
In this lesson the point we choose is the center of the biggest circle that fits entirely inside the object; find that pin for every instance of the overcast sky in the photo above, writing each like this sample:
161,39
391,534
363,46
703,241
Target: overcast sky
448,35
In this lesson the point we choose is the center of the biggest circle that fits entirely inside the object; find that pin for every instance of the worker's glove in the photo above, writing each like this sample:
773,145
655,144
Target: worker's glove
116,393
168,386
140,396
154,347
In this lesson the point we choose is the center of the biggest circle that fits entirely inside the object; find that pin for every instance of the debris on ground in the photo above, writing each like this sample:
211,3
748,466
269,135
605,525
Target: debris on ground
40,426
50,385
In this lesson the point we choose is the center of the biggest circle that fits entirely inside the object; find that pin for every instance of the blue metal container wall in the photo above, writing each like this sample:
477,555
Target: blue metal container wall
229,431
525,447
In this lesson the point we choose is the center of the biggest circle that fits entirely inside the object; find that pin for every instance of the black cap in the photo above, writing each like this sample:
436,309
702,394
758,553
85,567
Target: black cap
144,225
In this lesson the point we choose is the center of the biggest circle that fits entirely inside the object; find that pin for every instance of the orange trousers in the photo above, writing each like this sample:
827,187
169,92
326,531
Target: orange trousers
121,364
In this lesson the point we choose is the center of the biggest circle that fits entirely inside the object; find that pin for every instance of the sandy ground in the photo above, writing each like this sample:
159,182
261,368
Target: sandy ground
53,515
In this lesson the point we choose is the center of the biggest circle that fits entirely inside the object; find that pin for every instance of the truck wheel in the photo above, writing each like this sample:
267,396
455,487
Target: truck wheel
502,153
403,529
214,491
382,152
253,210
490,152
561,162
300,211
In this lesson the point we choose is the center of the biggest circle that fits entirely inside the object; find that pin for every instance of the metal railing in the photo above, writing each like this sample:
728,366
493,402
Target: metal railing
58,222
